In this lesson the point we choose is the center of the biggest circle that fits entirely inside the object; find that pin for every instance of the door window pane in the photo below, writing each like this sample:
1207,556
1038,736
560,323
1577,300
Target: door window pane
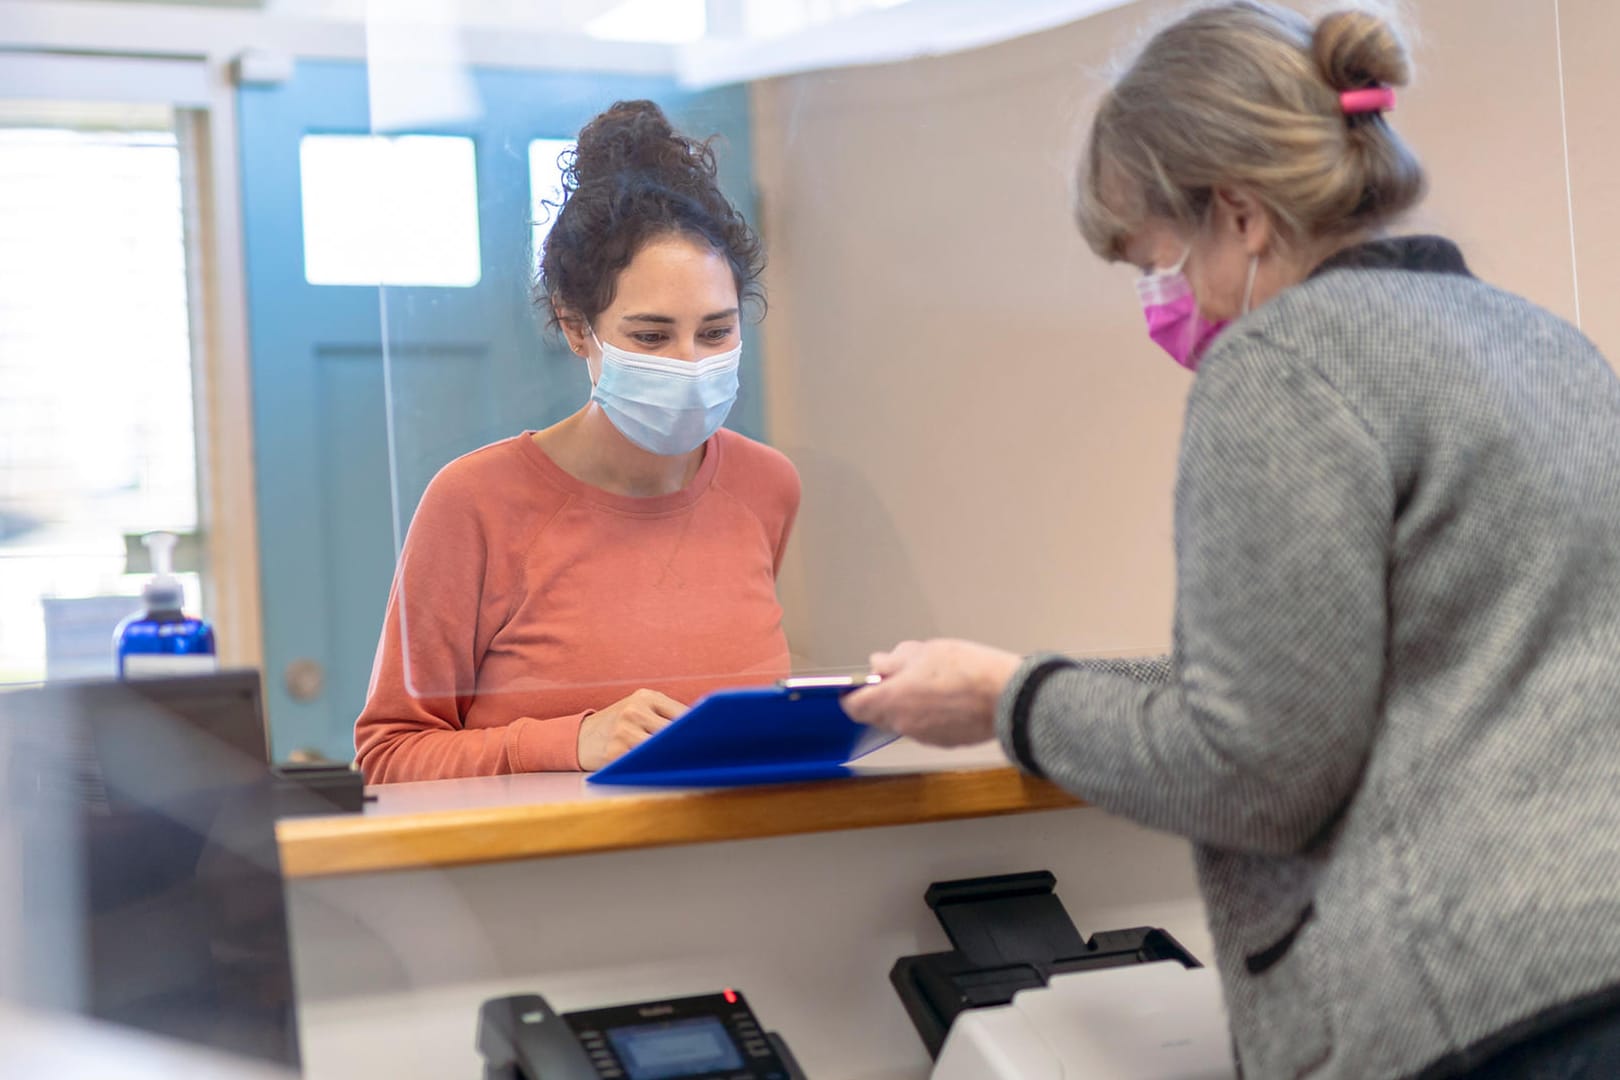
670,22
390,210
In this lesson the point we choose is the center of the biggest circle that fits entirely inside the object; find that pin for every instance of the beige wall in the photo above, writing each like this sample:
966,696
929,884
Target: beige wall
986,436
1591,28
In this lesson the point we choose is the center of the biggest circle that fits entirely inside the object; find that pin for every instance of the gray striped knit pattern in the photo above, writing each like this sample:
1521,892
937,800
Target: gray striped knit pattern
1391,720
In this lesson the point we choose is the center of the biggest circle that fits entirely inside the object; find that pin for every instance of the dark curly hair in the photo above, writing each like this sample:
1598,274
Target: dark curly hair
632,178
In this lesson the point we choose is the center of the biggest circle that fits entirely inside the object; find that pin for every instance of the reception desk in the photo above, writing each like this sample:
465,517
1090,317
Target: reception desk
536,815
442,894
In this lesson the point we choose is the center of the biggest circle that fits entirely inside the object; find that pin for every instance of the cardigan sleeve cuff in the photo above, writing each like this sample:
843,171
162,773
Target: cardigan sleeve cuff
1015,704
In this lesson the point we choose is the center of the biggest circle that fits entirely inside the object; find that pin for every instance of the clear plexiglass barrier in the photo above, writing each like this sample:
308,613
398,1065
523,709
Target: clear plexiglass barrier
948,420
930,430
942,415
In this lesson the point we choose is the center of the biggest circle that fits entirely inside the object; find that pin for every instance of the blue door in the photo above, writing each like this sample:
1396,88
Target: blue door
344,373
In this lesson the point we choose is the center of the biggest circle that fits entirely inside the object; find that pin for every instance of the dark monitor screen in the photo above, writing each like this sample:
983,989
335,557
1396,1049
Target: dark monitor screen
143,841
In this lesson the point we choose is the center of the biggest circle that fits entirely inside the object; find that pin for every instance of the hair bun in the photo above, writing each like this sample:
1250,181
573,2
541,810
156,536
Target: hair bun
636,136
631,178
1355,49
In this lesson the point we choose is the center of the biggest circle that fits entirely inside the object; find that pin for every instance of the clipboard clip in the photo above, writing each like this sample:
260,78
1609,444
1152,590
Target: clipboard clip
827,684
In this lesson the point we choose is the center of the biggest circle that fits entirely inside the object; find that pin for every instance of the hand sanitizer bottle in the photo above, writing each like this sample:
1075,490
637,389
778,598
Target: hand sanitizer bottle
163,640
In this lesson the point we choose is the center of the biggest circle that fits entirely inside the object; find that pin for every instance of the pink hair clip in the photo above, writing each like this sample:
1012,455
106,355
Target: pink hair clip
1373,99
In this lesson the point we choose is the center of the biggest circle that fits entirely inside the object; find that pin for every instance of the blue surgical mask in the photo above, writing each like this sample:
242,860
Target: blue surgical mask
665,406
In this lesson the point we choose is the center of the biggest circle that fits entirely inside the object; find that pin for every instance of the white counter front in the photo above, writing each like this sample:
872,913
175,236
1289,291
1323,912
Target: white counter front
802,897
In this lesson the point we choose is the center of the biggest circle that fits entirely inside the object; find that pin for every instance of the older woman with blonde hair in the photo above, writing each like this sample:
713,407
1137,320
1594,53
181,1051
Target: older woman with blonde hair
1389,720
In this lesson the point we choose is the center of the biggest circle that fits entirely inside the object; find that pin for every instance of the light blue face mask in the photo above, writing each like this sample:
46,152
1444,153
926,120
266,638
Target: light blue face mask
662,405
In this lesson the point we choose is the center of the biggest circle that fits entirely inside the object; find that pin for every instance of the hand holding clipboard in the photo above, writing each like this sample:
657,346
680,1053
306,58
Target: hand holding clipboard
794,730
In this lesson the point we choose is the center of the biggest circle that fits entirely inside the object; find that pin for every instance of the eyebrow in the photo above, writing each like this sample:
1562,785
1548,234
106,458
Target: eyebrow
665,320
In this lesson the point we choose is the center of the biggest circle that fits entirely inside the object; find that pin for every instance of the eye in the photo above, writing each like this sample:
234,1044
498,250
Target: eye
648,338
719,333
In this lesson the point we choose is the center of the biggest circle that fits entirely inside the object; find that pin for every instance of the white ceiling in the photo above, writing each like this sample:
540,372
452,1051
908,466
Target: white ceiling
700,42
749,18
554,15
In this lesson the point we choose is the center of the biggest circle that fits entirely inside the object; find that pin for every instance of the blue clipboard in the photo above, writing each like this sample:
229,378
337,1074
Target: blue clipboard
795,730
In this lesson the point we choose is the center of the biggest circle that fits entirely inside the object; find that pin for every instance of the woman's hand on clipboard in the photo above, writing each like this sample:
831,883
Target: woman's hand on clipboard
940,692
614,731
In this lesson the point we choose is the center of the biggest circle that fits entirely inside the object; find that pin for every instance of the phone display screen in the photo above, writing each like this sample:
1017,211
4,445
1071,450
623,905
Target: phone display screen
676,1049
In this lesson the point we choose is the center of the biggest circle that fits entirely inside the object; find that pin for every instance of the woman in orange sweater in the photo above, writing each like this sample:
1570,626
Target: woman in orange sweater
564,594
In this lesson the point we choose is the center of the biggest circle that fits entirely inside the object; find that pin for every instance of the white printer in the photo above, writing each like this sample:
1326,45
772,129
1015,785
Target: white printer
1023,997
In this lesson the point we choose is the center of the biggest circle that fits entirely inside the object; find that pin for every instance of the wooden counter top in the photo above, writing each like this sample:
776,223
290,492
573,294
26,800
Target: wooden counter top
500,818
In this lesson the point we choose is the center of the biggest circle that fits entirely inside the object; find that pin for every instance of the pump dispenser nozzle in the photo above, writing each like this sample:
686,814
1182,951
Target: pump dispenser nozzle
163,592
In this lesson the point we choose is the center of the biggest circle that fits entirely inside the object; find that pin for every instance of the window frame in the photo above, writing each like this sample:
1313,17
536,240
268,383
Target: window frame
204,121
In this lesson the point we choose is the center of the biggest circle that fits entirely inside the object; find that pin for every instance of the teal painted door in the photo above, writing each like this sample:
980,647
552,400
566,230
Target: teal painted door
362,393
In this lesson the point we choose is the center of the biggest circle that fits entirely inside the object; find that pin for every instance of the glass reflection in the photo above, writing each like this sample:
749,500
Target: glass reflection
139,834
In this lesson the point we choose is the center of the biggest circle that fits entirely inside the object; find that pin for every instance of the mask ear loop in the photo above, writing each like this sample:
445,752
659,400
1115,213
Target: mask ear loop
1248,290
593,368
1169,271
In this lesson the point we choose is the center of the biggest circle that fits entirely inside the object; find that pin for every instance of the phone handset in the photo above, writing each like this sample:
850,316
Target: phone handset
522,1038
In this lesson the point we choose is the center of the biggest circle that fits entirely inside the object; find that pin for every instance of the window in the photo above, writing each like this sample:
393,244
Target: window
545,186
390,210
96,431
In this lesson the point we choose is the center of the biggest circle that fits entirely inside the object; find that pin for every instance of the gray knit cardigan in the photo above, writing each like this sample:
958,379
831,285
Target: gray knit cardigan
1390,723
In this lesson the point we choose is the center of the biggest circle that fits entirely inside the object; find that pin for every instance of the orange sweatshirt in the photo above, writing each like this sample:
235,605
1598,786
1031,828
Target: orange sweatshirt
525,600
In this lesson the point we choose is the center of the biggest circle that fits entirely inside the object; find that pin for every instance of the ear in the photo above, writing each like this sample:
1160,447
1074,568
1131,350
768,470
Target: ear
575,328
1246,218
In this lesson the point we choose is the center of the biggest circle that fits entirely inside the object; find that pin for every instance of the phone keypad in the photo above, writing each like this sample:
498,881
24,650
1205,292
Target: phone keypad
601,1057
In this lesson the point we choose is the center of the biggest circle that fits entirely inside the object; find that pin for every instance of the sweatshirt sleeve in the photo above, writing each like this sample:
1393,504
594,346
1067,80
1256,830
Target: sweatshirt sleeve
1255,733
442,614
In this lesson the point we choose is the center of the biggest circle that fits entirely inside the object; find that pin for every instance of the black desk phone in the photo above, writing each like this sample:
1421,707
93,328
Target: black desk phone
714,1036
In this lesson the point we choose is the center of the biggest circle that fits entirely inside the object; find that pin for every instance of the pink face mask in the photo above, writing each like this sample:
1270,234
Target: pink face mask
1172,314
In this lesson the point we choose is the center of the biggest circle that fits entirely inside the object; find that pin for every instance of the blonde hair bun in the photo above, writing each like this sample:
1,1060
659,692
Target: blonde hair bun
1355,49
1245,94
